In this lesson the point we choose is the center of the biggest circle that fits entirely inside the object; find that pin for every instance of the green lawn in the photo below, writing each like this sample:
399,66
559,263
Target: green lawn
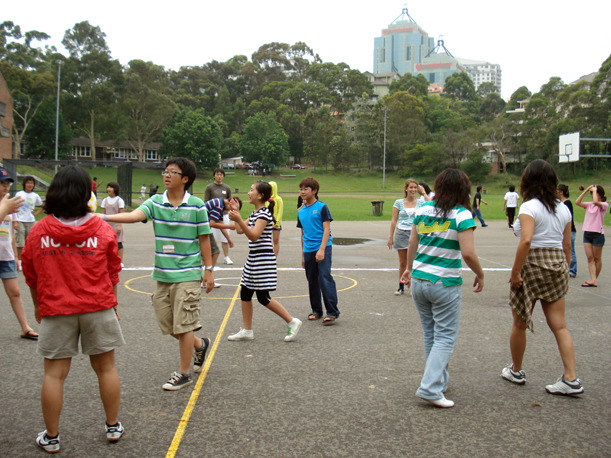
348,194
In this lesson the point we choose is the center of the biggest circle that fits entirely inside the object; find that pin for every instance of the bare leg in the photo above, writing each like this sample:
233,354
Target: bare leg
11,286
108,380
276,239
225,249
186,343
279,310
52,392
597,251
402,262
589,249
554,314
517,341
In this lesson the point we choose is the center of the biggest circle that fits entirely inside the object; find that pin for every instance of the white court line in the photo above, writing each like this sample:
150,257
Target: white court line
352,269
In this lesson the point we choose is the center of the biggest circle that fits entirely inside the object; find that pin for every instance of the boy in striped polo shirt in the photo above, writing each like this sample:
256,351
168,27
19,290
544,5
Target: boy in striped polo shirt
182,247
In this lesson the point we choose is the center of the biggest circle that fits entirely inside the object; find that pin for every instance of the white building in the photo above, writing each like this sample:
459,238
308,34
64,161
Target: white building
482,72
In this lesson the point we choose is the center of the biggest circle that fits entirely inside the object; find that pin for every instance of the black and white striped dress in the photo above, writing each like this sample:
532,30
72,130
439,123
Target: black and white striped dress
260,268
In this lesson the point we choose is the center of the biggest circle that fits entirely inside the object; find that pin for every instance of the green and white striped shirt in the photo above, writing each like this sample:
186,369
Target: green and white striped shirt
177,230
438,255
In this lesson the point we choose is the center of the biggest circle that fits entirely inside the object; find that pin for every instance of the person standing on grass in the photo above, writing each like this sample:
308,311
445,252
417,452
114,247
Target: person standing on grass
260,272
278,211
540,273
442,235
182,248
563,195
219,190
112,205
8,266
143,191
510,204
593,230
26,217
477,202
71,264
94,186
403,212
314,220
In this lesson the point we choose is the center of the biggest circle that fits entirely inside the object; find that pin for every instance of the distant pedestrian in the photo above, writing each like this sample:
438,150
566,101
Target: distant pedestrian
260,272
219,190
74,295
143,191
112,205
540,273
563,195
314,220
26,217
216,209
278,211
477,202
442,235
510,204
593,230
94,186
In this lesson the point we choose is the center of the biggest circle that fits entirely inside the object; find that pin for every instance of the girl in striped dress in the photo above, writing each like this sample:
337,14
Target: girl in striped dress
259,275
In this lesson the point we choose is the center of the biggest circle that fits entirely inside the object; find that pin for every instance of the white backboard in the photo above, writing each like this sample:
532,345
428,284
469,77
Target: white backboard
568,147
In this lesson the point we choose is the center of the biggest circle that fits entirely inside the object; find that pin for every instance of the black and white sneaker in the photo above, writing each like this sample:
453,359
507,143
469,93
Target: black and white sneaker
517,377
47,444
564,387
114,432
200,356
177,381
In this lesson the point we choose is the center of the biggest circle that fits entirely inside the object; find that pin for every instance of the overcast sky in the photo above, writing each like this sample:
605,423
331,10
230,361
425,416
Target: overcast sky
532,40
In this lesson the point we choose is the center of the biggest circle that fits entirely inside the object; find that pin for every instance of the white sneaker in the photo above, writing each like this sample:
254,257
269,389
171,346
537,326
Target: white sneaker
441,402
564,387
217,285
399,292
242,334
228,260
517,377
292,329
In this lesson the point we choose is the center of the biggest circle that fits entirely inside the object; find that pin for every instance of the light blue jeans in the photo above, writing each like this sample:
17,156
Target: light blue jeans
439,310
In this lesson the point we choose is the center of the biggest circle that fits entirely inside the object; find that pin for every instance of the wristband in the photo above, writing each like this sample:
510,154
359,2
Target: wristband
104,216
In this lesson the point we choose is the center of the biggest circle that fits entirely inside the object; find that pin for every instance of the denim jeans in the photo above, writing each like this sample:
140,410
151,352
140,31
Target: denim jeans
573,267
320,281
439,310
477,212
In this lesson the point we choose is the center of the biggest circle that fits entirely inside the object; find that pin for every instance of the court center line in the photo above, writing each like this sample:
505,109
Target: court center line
200,382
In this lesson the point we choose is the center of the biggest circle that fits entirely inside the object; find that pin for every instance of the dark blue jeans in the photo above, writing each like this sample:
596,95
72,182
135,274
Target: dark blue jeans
320,281
478,213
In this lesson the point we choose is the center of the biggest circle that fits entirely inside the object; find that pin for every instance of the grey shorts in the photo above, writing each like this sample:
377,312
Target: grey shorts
214,248
177,306
99,333
401,241
22,233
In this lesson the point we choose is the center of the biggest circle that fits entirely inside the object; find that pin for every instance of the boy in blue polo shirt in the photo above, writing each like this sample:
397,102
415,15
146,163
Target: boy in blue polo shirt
314,219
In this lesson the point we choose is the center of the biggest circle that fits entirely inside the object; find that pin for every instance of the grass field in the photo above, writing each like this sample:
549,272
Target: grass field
347,194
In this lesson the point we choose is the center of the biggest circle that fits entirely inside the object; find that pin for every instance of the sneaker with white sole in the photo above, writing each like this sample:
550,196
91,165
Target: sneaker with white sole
200,356
177,381
47,444
242,334
228,260
565,388
292,329
114,432
399,292
519,377
441,402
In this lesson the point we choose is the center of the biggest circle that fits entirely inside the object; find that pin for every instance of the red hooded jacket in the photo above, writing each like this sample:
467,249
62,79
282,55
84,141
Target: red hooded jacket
72,268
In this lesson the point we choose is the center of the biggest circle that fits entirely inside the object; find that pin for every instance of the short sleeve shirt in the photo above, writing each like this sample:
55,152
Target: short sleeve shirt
406,215
177,230
549,227
310,219
31,200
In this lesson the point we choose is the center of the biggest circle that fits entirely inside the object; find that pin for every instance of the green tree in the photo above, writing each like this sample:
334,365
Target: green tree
405,124
264,140
193,134
147,102
40,137
416,85
460,86
476,167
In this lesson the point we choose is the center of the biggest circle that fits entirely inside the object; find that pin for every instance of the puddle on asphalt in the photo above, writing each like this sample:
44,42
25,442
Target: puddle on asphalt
349,241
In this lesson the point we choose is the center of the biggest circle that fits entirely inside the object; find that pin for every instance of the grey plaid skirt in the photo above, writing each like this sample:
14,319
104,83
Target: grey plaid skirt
546,277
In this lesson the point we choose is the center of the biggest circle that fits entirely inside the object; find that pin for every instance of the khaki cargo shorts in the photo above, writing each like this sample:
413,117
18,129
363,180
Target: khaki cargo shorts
177,307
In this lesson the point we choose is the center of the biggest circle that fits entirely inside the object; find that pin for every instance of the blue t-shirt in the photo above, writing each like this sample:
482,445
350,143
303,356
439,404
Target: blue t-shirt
310,219
215,208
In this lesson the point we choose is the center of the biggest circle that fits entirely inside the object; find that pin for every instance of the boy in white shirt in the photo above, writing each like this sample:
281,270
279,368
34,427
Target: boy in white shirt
510,205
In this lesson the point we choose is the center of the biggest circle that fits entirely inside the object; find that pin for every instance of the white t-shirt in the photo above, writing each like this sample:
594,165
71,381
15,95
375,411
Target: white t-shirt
512,198
31,200
549,227
6,239
112,201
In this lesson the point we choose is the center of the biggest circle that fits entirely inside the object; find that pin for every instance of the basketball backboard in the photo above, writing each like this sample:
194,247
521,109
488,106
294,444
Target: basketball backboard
568,147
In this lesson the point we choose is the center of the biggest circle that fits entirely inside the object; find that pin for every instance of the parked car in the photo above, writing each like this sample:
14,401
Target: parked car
297,166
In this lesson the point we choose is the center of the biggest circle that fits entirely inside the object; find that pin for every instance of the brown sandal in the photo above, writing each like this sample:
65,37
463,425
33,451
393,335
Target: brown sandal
314,316
329,320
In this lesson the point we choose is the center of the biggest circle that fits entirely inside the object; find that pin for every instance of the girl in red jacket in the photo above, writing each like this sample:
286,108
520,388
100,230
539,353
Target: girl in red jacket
71,264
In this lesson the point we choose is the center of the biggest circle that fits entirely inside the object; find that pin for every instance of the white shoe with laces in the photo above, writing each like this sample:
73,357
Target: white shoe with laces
292,329
228,260
242,334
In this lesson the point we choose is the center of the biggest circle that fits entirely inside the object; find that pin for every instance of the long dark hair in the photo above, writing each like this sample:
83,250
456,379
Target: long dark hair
69,193
539,181
265,189
452,188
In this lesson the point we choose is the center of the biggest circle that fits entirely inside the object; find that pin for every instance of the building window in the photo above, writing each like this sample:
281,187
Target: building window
82,151
408,53
119,154
133,155
382,55
151,155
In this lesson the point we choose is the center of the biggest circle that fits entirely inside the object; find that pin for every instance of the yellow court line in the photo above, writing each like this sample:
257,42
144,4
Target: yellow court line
200,382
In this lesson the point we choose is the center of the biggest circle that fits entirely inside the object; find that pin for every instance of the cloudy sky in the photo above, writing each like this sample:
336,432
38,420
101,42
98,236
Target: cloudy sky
531,40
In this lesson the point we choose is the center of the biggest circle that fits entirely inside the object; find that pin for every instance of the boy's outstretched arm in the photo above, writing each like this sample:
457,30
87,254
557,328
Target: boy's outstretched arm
134,216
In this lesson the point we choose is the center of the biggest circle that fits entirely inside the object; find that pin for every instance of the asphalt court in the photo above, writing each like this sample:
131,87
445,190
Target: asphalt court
343,390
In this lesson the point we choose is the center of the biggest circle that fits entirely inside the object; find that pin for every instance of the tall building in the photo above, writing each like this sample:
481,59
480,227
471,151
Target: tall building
405,47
